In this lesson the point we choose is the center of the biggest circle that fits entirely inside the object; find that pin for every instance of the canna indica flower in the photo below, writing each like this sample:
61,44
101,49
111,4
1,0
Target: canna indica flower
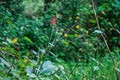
54,20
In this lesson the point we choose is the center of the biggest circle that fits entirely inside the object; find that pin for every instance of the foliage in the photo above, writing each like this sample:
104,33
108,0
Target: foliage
58,39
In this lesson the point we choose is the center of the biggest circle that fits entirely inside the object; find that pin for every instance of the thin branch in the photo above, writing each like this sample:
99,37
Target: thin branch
98,25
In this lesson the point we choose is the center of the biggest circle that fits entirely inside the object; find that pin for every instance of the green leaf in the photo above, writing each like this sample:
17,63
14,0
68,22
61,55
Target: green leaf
5,62
117,70
28,40
48,67
93,21
100,8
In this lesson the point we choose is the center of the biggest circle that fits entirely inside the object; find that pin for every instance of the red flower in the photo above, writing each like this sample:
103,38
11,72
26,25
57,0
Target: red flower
54,21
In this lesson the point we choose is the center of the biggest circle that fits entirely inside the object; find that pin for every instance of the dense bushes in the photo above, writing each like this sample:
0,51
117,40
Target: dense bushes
32,32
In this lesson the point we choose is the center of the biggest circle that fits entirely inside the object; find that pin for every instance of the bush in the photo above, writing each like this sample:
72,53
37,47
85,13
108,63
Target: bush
36,33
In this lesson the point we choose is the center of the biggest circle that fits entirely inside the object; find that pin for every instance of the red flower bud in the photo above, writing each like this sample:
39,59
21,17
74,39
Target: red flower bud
54,21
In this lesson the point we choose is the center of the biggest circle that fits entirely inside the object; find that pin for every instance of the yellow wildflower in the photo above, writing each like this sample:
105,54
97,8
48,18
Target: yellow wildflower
80,49
76,35
65,35
87,32
59,15
25,61
111,29
77,26
14,40
77,17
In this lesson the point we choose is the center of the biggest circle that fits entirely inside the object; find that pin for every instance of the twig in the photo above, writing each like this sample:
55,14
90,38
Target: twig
98,25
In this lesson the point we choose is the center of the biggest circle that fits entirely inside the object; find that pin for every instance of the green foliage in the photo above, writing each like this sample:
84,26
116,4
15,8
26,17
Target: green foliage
31,7
33,45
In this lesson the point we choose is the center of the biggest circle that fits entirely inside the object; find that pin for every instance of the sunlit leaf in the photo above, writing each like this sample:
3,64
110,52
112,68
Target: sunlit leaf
33,51
98,31
28,40
96,61
5,62
48,67
29,70
117,69
42,51
93,21
51,44
32,75
96,68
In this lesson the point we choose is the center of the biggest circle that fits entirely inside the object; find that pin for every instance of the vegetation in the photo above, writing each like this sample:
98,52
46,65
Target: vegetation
59,40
